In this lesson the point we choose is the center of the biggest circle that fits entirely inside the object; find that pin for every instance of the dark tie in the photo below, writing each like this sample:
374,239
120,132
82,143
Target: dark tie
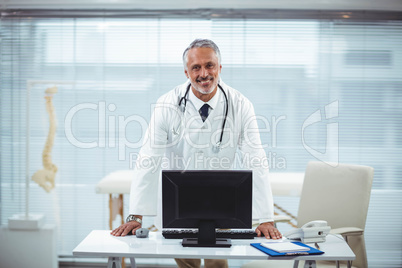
204,112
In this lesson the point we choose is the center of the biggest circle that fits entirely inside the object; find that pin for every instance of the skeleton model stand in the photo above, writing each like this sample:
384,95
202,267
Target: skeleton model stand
46,176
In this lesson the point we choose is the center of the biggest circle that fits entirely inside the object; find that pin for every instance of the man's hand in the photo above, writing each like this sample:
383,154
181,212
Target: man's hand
127,228
268,230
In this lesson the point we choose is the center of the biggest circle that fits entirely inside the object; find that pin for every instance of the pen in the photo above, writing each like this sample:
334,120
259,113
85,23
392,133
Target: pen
317,246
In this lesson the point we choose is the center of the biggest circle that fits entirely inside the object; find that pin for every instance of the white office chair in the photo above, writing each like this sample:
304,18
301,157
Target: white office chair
339,195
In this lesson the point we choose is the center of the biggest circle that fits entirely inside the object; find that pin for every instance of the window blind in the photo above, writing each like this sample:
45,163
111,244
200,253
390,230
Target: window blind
323,89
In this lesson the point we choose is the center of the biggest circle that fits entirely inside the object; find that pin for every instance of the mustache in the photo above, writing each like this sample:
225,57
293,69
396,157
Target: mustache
200,79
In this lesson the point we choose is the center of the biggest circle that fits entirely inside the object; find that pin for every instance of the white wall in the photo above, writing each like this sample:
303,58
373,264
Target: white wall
383,5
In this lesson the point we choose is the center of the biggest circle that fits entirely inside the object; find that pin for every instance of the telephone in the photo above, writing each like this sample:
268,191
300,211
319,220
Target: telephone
311,232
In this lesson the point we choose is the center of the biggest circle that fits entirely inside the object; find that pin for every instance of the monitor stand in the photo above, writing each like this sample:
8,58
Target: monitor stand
207,237
218,243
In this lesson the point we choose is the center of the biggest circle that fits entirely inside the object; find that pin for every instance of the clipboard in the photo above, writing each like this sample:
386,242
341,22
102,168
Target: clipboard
312,251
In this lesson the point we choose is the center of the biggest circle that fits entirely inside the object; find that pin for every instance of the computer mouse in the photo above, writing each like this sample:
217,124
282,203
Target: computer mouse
142,233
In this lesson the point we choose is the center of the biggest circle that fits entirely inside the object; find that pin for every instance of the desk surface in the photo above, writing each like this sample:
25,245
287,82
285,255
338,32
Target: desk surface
99,243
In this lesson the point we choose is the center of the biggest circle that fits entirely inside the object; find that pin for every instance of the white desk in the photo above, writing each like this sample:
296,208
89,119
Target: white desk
100,243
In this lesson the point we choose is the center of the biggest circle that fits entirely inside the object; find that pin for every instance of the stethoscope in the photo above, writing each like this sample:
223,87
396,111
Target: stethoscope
183,100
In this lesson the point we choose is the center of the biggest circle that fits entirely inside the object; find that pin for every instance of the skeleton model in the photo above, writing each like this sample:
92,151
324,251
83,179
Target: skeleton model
45,177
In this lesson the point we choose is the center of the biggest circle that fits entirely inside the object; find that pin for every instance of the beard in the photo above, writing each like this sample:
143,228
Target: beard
210,84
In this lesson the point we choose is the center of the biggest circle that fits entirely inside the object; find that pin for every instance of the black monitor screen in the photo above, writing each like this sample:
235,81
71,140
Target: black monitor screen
216,199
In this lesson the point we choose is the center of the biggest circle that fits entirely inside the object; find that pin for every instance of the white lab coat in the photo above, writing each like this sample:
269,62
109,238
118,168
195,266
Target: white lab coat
178,139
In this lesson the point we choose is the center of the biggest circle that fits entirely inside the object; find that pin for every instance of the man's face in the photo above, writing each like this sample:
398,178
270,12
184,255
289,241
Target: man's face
203,69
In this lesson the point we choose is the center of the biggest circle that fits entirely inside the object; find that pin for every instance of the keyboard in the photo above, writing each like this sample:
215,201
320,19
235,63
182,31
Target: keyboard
187,233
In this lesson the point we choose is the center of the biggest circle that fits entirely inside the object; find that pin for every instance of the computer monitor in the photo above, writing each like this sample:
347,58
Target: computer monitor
207,200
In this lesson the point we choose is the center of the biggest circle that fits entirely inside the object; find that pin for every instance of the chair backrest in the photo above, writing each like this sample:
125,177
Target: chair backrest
340,195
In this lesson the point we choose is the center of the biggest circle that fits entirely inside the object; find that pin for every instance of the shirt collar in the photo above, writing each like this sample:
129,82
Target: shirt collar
199,103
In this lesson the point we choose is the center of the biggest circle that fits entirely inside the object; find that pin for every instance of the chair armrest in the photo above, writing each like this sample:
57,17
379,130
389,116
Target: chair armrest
354,231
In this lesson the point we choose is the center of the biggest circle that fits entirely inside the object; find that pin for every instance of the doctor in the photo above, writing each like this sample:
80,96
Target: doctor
202,124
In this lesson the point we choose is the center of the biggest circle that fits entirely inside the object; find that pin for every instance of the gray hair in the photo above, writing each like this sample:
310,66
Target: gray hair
201,43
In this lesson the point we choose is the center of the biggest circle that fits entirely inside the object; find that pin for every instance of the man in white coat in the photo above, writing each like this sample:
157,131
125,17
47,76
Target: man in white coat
202,124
